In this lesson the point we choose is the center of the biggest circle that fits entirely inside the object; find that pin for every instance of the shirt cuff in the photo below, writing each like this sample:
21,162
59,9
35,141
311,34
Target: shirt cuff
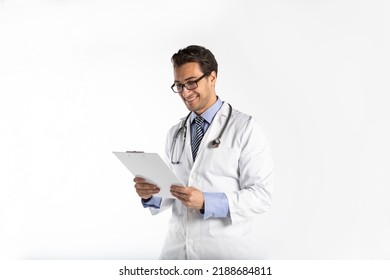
216,205
153,202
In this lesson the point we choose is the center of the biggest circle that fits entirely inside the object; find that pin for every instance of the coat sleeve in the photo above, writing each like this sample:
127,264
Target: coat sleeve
255,176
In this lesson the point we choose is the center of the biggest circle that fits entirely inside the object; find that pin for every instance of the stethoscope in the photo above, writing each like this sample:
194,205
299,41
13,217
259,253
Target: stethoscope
183,128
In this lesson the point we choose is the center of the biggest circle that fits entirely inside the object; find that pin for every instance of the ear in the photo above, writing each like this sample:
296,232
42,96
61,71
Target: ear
213,78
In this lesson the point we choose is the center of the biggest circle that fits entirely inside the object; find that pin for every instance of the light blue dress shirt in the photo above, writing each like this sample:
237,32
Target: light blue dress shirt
215,203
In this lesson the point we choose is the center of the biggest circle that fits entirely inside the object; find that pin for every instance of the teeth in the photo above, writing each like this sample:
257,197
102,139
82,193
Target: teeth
191,99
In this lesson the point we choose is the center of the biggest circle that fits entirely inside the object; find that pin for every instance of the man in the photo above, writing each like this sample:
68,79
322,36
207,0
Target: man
229,176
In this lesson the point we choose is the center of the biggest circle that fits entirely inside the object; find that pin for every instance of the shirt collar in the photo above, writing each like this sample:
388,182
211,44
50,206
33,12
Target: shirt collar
210,113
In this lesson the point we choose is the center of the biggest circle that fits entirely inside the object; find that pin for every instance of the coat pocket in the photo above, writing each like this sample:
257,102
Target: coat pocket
224,161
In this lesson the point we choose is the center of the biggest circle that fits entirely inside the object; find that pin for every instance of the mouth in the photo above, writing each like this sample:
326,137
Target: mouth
191,99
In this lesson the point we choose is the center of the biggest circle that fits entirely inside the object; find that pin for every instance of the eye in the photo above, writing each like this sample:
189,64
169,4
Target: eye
190,84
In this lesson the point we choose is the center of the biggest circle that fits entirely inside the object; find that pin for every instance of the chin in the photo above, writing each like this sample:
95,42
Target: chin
191,107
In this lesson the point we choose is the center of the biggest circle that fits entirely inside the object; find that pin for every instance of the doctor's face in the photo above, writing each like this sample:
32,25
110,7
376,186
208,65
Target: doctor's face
203,96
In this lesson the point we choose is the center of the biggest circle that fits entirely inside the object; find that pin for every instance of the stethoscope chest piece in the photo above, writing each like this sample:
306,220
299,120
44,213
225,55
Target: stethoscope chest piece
215,143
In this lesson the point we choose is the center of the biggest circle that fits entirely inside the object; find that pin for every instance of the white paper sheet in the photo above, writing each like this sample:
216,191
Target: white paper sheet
151,167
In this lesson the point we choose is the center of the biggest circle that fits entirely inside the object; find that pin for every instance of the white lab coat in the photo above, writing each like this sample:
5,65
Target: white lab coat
242,168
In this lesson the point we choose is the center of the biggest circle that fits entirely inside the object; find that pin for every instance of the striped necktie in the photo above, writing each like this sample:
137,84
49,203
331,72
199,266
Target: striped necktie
197,138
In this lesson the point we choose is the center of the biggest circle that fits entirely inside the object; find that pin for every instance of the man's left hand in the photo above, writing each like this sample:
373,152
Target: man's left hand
191,197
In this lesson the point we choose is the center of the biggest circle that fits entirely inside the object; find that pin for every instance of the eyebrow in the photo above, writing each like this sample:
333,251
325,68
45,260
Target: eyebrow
185,80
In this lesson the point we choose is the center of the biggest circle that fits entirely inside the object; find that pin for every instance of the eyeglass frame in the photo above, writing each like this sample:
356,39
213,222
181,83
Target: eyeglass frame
184,85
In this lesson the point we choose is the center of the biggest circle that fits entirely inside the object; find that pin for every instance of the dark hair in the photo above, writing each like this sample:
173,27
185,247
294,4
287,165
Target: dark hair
198,54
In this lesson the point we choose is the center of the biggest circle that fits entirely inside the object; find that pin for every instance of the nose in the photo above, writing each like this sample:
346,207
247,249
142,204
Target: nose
186,92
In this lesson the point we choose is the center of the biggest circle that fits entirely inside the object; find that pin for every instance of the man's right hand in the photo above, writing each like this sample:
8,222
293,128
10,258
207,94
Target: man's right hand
143,189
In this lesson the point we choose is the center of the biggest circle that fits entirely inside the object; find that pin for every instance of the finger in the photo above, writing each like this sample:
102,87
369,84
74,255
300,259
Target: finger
179,195
138,180
145,186
175,194
178,198
151,190
179,189
144,193
147,192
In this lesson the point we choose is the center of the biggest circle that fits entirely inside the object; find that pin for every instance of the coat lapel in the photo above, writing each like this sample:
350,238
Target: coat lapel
211,134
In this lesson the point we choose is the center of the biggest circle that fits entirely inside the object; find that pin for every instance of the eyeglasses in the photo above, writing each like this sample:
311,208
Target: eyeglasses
178,88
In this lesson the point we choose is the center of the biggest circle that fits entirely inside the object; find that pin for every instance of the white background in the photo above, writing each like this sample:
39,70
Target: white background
80,79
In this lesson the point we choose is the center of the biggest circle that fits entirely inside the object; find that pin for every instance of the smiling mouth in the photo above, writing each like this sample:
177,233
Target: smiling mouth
189,100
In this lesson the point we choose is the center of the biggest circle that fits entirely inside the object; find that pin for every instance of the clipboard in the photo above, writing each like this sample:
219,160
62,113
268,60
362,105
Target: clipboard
151,167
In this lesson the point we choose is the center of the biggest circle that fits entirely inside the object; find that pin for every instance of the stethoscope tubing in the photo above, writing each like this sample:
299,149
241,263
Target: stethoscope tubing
214,143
